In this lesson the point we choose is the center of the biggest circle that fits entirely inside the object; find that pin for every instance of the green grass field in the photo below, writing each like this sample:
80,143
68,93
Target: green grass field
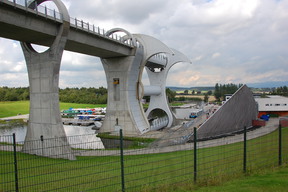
11,108
272,180
269,180
164,172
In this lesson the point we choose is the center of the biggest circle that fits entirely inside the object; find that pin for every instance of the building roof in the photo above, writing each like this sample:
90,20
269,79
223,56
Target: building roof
272,103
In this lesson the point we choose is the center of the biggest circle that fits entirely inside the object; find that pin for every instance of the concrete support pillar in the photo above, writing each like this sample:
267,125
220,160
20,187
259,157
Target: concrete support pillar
124,108
45,121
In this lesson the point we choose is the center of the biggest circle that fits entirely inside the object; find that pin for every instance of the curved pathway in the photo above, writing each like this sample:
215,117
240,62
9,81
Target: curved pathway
271,126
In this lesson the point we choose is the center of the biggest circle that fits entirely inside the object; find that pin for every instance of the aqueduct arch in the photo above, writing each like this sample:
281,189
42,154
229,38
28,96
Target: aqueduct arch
43,73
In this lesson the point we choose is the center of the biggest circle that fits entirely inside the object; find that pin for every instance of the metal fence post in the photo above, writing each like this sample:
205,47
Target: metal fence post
245,150
26,5
195,154
36,7
54,12
122,161
42,144
15,163
280,146
45,11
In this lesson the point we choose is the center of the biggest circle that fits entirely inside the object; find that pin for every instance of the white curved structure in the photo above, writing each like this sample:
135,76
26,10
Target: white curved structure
158,79
128,36
125,89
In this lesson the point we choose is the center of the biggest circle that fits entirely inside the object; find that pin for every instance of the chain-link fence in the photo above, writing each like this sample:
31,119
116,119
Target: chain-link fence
123,163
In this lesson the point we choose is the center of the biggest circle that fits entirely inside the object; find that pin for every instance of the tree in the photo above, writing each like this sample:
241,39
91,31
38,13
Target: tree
206,98
89,95
221,90
217,93
170,94
279,91
181,99
2,93
186,92
209,92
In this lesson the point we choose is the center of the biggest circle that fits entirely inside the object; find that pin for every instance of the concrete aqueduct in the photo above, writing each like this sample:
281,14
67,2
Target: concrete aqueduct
124,60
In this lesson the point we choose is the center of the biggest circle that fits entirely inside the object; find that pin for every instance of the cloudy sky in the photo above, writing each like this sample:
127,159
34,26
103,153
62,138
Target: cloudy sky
228,41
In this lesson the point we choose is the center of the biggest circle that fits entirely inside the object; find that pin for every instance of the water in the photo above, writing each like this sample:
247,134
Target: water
82,137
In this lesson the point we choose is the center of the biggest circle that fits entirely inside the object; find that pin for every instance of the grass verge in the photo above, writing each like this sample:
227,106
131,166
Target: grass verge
12,108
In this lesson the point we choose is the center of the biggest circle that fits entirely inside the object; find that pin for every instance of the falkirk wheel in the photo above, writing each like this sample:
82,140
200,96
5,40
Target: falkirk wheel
125,89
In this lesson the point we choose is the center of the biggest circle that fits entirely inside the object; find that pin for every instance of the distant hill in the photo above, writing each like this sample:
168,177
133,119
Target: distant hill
191,88
263,86
268,84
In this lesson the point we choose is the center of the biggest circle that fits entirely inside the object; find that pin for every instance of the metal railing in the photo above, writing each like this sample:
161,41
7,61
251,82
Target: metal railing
132,165
159,123
74,22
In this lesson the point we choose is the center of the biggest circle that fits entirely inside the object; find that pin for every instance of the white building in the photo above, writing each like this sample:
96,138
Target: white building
273,105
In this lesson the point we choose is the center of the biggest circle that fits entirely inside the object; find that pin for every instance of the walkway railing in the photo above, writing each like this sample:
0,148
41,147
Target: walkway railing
159,123
74,22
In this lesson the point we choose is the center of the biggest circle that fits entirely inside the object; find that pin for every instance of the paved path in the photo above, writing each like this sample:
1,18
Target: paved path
25,117
271,126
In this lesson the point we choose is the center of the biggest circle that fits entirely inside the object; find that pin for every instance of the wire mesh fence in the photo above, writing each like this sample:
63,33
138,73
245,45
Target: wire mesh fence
123,163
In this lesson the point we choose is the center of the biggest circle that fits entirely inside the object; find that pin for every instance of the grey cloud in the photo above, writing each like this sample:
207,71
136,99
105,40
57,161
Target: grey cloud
252,43
124,11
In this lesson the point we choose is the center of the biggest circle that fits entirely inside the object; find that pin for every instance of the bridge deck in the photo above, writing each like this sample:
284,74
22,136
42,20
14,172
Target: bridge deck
20,23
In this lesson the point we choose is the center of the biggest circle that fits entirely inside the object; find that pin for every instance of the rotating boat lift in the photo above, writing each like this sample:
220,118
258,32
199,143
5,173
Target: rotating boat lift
125,89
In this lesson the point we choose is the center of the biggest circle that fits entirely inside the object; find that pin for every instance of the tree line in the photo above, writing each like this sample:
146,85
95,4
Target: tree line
221,90
99,95
69,95
83,95
14,94
280,91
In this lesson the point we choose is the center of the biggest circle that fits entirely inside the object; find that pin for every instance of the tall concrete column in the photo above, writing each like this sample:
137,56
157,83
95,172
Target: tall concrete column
158,79
45,123
124,108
